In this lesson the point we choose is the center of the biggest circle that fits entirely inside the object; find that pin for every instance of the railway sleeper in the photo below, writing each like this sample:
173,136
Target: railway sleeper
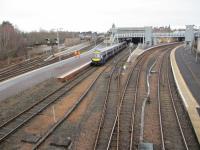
126,118
20,120
125,131
61,142
31,138
5,130
126,113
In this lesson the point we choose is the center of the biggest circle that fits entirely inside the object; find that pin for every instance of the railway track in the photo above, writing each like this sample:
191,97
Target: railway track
19,64
126,111
171,140
130,101
140,95
171,129
139,123
67,114
75,106
116,124
30,65
13,124
122,131
120,117
23,68
109,108
184,119
173,134
148,105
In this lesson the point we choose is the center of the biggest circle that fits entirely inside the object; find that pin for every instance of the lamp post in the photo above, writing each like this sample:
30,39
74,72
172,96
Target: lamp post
198,45
58,40
130,47
49,43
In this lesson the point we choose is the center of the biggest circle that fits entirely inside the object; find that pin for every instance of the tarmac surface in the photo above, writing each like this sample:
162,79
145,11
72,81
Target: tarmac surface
190,70
186,73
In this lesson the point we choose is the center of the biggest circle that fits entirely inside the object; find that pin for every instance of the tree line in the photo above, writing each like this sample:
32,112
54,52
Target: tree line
14,43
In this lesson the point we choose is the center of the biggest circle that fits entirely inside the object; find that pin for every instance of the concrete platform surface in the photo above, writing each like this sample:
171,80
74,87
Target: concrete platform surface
139,51
190,70
73,48
186,83
22,82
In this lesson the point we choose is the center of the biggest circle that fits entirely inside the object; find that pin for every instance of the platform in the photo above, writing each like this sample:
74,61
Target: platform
187,77
22,82
139,51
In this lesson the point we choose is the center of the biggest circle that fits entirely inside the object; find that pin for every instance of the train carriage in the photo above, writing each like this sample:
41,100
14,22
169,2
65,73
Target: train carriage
101,56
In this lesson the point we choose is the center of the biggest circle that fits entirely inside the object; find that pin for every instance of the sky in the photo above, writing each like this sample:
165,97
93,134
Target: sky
98,15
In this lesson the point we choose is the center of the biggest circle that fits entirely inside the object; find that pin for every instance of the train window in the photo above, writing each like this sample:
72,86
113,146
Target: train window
98,56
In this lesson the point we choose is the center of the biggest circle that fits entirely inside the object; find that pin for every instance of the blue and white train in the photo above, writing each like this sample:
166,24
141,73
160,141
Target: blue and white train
101,56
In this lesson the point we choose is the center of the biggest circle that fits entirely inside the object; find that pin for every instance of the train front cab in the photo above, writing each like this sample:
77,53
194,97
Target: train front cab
97,59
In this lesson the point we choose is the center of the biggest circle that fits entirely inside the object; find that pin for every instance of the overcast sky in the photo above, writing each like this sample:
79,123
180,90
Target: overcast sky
98,15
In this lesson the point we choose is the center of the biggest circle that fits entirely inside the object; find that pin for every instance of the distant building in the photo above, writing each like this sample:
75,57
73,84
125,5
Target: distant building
162,29
87,35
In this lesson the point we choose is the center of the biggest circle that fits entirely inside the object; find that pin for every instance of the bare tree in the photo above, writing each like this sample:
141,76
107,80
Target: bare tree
14,43
11,40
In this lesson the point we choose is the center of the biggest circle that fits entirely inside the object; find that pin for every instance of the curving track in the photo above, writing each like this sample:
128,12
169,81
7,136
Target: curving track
165,123
116,131
127,128
14,124
109,109
78,102
173,129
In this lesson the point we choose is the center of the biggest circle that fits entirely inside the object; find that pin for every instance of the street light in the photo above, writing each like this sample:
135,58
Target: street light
130,47
58,41
50,43
198,45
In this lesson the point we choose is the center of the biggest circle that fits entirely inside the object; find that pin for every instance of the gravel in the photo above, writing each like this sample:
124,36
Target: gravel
15,104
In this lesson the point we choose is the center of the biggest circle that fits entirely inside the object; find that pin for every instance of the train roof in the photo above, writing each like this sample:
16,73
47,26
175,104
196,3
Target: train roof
107,48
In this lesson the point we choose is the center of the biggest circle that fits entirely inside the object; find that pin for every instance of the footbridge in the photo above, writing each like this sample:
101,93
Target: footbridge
150,37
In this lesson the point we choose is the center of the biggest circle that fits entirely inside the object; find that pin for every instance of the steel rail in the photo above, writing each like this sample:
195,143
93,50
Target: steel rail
123,95
175,111
145,100
105,106
116,119
174,107
33,114
159,107
67,114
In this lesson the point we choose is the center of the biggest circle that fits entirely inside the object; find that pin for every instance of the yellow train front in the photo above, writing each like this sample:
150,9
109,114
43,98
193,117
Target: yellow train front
97,58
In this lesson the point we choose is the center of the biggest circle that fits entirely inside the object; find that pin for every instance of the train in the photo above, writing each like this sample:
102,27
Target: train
101,56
